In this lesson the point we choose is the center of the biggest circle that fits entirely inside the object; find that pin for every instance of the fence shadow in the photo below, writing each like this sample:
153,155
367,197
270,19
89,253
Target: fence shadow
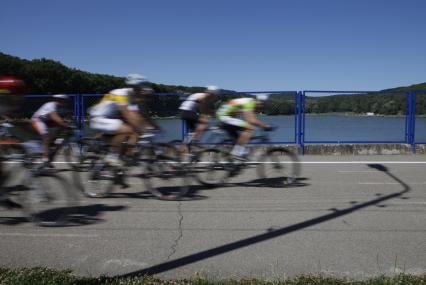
271,233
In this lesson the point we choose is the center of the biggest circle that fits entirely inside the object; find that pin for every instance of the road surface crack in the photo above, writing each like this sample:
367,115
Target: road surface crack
180,232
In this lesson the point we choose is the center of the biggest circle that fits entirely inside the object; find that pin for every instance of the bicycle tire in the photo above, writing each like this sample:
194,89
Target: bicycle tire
79,155
100,180
211,167
280,164
164,176
47,199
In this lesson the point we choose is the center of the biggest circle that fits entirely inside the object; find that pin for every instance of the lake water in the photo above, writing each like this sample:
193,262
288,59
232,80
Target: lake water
326,128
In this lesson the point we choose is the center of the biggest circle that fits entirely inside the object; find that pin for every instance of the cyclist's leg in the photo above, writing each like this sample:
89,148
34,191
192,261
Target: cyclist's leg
201,127
245,135
123,133
132,139
41,128
191,120
241,132
115,127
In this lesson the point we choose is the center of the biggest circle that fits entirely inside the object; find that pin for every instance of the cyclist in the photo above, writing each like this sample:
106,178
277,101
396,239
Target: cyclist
195,110
239,119
119,115
47,117
11,91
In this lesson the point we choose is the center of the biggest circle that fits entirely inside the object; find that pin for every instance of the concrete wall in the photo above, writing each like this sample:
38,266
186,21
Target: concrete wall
359,149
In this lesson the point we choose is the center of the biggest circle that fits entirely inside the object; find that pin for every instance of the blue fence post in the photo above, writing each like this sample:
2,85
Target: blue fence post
76,114
296,117
183,130
300,120
82,114
413,121
407,117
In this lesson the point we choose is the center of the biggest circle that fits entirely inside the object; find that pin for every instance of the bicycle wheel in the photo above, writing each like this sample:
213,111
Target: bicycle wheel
165,178
79,155
47,199
279,166
211,167
169,154
100,180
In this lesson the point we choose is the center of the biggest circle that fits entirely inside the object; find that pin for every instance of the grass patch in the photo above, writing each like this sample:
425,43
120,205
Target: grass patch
35,276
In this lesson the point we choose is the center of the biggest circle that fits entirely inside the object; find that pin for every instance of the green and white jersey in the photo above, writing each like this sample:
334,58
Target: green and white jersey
237,106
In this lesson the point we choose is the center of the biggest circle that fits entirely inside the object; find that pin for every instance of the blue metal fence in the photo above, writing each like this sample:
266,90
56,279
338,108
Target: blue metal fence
301,132
419,135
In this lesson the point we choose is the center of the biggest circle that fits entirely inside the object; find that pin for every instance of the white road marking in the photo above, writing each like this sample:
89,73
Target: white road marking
289,162
357,171
390,183
362,162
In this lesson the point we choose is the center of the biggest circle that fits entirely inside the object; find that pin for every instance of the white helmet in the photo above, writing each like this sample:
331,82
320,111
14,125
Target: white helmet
135,79
213,89
61,96
262,97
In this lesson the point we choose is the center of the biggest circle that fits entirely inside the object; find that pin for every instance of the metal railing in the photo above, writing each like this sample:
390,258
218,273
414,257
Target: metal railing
302,132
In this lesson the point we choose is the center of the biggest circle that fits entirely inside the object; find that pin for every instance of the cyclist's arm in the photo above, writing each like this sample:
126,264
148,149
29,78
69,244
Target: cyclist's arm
251,118
54,116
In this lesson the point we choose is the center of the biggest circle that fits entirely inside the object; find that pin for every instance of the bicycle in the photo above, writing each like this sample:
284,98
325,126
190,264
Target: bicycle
68,143
41,202
214,166
157,164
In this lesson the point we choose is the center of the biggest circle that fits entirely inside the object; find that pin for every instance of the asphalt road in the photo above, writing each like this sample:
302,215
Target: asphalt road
348,215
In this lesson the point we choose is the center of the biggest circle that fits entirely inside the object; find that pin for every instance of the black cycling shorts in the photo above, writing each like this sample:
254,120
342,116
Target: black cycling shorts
191,119
233,130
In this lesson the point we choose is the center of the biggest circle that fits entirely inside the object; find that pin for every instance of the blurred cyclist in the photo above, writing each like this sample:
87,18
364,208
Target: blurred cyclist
118,114
47,117
195,110
11,91
239,119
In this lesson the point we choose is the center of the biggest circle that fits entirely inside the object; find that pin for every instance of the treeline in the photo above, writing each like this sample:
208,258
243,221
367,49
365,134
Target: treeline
381,103
45,76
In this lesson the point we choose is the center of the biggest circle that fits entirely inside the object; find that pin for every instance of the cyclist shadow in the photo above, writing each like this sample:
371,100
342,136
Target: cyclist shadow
275,182
9,204
82,215
166,191
73,216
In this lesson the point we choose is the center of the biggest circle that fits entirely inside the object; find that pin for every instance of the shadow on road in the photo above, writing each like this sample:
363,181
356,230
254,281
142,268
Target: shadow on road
276,182
271,233
75,216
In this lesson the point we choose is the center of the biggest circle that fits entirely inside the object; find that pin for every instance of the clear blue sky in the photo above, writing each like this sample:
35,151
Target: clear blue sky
235,44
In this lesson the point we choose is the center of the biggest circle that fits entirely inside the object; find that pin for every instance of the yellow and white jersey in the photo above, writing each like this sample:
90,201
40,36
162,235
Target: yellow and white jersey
109,105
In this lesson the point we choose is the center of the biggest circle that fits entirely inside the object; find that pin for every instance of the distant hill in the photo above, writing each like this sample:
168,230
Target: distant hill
45,76
382,103
421,86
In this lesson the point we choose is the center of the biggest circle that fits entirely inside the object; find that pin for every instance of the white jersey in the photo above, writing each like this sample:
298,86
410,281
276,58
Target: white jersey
43,112
192,102
110,103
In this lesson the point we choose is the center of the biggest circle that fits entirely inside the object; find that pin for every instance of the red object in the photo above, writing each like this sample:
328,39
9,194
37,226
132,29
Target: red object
11,85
